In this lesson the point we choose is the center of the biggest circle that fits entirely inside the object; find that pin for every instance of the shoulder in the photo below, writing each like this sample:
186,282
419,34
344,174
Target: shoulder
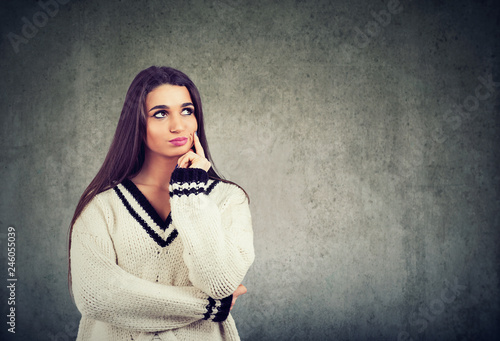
233,204
105,199
97,212
226,191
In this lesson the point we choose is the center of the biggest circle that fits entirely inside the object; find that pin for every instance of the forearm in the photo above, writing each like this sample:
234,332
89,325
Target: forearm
105,292
218,241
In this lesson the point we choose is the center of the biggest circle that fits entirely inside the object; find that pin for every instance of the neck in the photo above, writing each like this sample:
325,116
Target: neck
156,171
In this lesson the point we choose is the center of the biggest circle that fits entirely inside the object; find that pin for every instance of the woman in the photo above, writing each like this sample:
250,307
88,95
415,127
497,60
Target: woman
159,243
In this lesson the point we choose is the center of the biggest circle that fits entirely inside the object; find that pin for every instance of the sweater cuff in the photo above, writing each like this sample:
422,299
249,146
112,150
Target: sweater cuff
186,181
219,311
223,309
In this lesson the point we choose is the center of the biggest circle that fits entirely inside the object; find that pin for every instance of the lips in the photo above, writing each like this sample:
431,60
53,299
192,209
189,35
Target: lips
179,141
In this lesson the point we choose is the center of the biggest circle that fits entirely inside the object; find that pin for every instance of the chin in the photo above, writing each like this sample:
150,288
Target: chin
180,151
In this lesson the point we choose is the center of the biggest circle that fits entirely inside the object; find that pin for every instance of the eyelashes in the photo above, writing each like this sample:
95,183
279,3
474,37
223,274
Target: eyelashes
164,113
189,111
160,114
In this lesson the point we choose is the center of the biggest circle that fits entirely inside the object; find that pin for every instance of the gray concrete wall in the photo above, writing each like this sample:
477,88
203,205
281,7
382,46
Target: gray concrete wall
365,132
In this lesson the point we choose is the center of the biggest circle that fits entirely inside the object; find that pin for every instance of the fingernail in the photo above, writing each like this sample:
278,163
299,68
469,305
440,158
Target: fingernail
176,166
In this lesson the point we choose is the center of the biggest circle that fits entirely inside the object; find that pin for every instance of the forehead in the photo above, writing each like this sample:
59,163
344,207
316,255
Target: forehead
169,95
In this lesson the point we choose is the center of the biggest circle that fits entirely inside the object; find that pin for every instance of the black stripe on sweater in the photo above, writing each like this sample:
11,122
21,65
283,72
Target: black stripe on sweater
186,191
211,187
223,310
144,224
197,176
195,191
146,205
210,307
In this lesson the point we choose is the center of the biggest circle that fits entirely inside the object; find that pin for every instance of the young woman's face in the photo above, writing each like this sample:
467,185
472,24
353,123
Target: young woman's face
170,121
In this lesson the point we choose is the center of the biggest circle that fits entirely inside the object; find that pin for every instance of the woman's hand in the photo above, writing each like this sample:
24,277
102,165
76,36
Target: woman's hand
239,291
195,160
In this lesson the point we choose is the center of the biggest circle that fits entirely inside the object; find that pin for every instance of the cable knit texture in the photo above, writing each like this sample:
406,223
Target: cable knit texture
138,277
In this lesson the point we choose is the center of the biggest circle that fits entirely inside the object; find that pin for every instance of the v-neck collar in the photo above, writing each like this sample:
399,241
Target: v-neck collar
146,205
144,213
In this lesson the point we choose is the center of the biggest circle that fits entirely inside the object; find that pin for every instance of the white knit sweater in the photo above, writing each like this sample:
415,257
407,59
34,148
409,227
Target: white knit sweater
137,277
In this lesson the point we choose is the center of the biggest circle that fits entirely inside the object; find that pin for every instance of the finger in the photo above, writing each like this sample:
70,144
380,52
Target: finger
241,290
180,161
197,146
233,302
185,160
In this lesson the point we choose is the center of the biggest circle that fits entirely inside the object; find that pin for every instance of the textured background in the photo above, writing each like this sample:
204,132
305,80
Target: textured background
365,138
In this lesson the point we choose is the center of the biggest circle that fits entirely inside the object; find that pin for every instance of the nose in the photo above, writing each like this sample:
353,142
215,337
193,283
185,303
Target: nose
176,124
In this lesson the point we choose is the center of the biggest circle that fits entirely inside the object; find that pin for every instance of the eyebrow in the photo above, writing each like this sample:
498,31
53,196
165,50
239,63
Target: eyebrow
162,106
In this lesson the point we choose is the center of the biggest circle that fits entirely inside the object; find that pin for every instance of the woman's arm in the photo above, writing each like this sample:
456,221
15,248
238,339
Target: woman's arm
217,236
105,292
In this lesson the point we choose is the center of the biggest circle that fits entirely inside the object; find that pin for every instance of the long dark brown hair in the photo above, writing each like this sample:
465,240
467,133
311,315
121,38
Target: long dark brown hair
126,153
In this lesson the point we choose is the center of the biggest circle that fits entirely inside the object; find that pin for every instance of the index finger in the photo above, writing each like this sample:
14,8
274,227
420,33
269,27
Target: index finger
197,146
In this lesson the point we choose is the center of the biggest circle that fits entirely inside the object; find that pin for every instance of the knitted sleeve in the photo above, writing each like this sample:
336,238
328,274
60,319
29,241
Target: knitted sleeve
217,236
104,291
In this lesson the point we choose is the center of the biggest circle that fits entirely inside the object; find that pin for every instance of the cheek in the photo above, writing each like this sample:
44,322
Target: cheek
152,136
194,124
193,128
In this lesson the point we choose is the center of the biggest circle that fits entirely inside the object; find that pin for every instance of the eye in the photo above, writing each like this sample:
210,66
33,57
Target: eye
187,111
160,114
